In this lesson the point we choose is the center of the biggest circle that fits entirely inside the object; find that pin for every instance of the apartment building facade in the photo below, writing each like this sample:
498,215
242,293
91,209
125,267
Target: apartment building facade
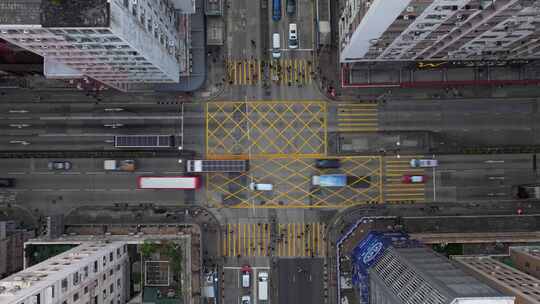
117,42
91,273
526,259
438,30
12,247
493,272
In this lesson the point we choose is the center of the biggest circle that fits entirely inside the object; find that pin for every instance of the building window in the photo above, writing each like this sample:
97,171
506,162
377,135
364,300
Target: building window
125,248
52,291
111,272
118,283
126,3
104,293
111,256
86,272
118,252
111,288
104,276
104,260
64,285
64,302
95,266
85,289
76,278
76,297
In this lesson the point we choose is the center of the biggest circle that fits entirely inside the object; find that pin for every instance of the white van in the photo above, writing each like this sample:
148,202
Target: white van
261,187
263,286
293,36
246,278
276,46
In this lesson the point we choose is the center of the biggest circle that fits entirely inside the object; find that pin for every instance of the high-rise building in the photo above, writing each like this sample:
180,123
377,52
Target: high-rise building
526,259
93,272
106,268
389,268
12,247
509,280
117,42
411,30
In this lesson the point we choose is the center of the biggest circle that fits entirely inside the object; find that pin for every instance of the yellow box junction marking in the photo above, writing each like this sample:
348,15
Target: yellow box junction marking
292,182
265,129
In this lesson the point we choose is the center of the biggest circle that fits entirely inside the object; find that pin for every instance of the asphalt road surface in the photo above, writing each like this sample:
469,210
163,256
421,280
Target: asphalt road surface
58,126
300,281
87,183
466,122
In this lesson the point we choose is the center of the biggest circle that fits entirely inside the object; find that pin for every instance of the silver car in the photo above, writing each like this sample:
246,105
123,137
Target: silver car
59,165
424,163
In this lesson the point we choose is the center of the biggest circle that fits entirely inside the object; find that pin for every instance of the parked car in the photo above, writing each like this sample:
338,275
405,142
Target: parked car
246,276
293,36
7,182
276,46
413,179
59,165
424,163
245,300
291,7
327,163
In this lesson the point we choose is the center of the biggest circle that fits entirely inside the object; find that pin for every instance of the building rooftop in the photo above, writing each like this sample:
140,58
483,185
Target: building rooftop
422,273
20,12
75,13
39,276
531,250
513,281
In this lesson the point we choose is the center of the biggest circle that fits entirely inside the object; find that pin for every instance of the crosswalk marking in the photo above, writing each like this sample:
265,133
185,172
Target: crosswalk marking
290,240
357,117
394,189
244,72
282,72
291,71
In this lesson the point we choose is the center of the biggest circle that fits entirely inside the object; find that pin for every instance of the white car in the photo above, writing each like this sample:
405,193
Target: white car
424,163
245,300
293,36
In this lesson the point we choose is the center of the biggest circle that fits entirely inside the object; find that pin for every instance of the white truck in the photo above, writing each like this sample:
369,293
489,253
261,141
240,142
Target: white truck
119,165
263,285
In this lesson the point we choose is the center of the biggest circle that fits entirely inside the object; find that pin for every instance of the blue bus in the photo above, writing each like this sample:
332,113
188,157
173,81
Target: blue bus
276,10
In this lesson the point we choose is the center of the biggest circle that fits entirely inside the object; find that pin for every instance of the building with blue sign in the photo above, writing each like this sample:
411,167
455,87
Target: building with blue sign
390,268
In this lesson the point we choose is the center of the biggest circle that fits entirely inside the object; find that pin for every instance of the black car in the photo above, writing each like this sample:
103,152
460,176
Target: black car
291,7
327,163
7,182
